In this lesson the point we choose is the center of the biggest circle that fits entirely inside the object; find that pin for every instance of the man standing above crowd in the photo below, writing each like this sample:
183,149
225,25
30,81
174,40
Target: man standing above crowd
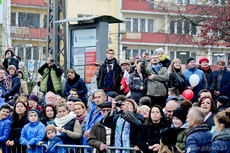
51,77
192,69
108,72
157,78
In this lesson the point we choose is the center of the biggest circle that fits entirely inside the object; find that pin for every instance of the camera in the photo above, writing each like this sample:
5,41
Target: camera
52,60
119,103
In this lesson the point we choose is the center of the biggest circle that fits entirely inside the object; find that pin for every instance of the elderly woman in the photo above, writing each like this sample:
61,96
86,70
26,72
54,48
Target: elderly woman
19,120
74,81
12,84
67,123
209,108
130,122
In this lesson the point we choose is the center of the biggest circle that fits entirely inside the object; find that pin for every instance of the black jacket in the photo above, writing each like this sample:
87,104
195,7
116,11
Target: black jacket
177,80
150,135
208,75
13,61
135,83
102,73
165,63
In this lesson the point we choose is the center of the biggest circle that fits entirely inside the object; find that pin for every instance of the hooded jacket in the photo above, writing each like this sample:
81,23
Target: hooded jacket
32,133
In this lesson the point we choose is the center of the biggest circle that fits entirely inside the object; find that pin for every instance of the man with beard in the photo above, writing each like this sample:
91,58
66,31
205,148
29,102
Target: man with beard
108,72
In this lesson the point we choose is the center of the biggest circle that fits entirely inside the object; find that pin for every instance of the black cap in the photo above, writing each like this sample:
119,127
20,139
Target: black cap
223,100
112,94
74,99
169,136
190,59
106,105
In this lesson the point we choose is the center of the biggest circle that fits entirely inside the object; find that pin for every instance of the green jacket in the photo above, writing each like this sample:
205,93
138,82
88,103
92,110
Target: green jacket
181,137
56,80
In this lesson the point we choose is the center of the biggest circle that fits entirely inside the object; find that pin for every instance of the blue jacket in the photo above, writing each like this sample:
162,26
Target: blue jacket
5,125
221,142
198,140
95,117
52,147
202,84
32,133
78,84
224,83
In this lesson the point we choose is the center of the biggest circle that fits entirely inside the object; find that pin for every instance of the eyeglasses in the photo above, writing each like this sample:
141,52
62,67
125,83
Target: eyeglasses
106,110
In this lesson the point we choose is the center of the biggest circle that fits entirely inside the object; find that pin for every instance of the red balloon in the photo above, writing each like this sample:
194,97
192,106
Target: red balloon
188,94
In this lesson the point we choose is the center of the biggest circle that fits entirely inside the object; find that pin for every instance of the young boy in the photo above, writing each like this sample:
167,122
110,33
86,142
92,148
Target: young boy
5,124
53,140
33,132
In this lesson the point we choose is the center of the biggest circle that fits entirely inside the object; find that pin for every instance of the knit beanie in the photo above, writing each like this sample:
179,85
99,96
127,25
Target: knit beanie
34,98
190,59
51,127
203,59
34,111
169,136
181,113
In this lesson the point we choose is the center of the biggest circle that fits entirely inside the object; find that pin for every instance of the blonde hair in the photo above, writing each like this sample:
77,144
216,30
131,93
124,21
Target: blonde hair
223,117
80,103
172,68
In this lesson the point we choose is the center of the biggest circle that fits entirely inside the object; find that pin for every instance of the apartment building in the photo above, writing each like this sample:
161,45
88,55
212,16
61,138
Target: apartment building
151,24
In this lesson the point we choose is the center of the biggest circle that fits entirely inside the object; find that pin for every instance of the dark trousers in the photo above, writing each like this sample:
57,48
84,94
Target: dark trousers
158,100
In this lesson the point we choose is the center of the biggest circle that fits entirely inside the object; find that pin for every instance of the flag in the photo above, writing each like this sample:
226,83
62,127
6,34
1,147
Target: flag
125,82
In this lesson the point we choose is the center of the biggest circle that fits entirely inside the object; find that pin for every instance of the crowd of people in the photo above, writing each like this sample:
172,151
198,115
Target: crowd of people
134,103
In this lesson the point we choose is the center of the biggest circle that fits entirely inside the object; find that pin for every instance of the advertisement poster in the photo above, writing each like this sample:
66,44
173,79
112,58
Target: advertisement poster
79,56
80,70
90,55
84,37
90,71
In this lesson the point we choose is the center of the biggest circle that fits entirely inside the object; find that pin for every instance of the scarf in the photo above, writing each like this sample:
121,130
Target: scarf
8,83
82,117
109,64
163,58
156,67
207,116
60,122
122,132
205,68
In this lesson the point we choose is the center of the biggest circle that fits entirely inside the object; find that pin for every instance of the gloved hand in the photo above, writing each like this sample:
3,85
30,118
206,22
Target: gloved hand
130,117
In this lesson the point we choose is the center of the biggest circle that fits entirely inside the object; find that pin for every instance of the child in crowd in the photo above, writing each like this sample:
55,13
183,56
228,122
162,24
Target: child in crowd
5,124
53,140
33,132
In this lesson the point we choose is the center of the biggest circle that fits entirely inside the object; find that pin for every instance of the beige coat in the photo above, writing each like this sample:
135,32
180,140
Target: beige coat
23,88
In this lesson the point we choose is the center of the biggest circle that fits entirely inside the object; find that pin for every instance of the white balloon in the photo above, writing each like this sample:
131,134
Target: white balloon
194,80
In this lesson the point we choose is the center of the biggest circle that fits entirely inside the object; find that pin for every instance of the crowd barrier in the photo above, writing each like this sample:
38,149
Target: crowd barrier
72,149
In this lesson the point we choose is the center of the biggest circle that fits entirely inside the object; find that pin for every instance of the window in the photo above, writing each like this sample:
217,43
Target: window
135,25
45,21
172,27
216,56
21,53
13,19
186,27
28,52
28,20
135,52
179,27
128,24
192,1
127,53
35,53
150,25
142,25
193,30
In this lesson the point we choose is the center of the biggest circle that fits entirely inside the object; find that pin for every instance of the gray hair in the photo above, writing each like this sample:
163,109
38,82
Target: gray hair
100,90
198,115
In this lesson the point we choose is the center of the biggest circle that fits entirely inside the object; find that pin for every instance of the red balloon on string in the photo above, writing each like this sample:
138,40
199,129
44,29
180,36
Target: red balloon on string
188,94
